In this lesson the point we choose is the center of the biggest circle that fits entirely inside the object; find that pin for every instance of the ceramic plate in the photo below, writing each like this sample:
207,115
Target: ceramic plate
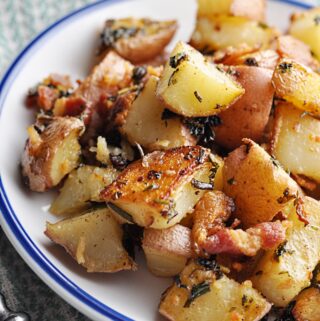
68,47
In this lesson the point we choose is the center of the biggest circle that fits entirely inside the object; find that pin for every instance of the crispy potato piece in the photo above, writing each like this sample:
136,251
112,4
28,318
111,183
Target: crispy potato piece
167,250
159,190
296,141
307,305
94,240
257,183
137,40
82,186
298,85
283,272
144,123
248,117
255,9
263,58
191,86
51,152
221,31
203,293
292,48
212,209
305,26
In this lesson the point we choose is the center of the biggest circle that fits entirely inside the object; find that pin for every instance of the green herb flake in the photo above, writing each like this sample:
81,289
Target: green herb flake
121,212
197,291
199,98
285,67
151,187
263,25
172,80
202,185
231,181
176,60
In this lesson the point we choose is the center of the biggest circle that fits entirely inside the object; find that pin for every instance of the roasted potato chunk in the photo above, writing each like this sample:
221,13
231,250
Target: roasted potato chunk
307,305
248,117
191,86
283,272
137,40
145,125
167,250
298,85
255,9
292,48
51,152
296,141
305,26
82,186
258,184
221,31
159,190
202,292
94,240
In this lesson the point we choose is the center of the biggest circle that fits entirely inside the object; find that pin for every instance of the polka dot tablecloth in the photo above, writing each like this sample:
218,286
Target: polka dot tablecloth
20,21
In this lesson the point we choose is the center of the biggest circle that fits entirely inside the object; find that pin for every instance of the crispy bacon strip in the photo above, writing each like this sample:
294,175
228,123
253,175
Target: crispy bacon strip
238,242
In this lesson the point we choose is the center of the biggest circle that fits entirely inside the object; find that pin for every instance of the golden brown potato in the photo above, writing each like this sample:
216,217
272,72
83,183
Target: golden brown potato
258,184
203,292
159,190
305,26
255,9
284,271
83,185
192,87
296,141
145,125
94,240
297,84
307,305
51,152
137,40
221,31
292,48
248,117
167,250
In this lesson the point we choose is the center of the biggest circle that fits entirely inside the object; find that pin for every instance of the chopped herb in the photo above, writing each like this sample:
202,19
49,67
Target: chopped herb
251,61
213,171
263,25
197,291
154,174
176,60
210,264
285,66
202,185
244,300
281,249
171,80
231,181
118,161
178,283
162,202
199,98
121,212
151,187
275,162
316,20
138,73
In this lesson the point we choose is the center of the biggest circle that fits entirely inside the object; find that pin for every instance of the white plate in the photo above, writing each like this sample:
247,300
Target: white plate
67,47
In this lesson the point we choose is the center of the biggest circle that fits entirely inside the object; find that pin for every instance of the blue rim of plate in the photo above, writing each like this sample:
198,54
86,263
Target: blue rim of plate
5,207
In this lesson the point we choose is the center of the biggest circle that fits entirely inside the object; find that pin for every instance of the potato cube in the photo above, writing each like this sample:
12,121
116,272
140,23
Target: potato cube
167,250
82,186
305,26
221,31
298,85
255,9
159,190
258,184
296,141
145,125
191,86
202,292
94,240
51,152
283,272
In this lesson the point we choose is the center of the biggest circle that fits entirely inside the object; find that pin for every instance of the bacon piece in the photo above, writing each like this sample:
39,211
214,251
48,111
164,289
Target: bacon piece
238,242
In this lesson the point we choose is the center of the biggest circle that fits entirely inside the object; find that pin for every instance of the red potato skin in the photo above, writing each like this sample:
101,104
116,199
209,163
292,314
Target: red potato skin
248,117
